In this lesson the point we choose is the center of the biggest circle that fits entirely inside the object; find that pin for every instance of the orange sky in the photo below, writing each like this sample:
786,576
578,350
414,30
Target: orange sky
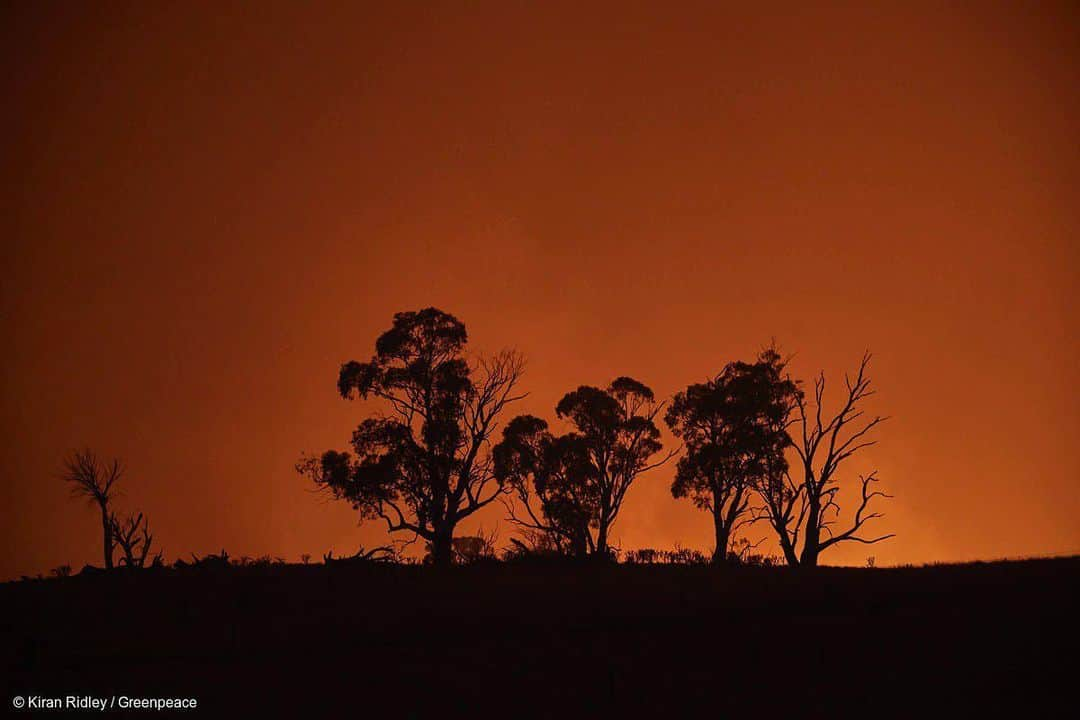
207,210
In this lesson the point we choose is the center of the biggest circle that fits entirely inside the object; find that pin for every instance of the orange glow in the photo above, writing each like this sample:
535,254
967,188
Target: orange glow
207,210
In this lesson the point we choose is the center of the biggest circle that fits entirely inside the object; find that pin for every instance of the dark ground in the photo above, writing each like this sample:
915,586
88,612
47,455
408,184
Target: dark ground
549,640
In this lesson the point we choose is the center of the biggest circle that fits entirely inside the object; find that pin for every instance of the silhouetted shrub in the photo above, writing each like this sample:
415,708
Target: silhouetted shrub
642,556
686,556
261,561
206,562
652,556
382,554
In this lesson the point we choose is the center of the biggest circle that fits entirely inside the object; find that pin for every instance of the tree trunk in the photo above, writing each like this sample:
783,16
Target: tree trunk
720,552
787,548
579,546
812,540
442,547
601,540
107,537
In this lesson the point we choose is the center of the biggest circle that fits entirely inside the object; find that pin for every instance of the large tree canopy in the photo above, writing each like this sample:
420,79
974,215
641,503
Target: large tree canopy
425,465
572,486
554,481
734,430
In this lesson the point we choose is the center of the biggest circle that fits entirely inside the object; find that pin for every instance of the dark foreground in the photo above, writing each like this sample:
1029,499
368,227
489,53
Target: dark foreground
556,641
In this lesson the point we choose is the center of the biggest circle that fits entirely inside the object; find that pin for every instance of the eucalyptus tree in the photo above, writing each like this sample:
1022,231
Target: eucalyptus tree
553,482
423,464
572,486
734,429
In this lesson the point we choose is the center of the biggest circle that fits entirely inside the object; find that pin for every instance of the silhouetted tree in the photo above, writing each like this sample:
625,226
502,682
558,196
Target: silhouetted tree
810,505
94,479
554,481
132,534
578,481
734,431
425,466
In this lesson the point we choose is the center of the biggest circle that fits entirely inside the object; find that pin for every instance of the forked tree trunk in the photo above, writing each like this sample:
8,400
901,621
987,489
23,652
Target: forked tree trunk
788,549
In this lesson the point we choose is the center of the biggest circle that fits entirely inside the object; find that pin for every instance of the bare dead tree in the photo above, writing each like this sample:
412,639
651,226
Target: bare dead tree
94,480
810,505
785,510
132,534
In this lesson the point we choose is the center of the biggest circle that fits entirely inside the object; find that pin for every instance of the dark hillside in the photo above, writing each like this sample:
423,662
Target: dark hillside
549,640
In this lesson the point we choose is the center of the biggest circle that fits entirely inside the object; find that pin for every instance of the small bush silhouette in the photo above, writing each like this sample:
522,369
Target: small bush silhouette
206,562
380,554
678,556
643,556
